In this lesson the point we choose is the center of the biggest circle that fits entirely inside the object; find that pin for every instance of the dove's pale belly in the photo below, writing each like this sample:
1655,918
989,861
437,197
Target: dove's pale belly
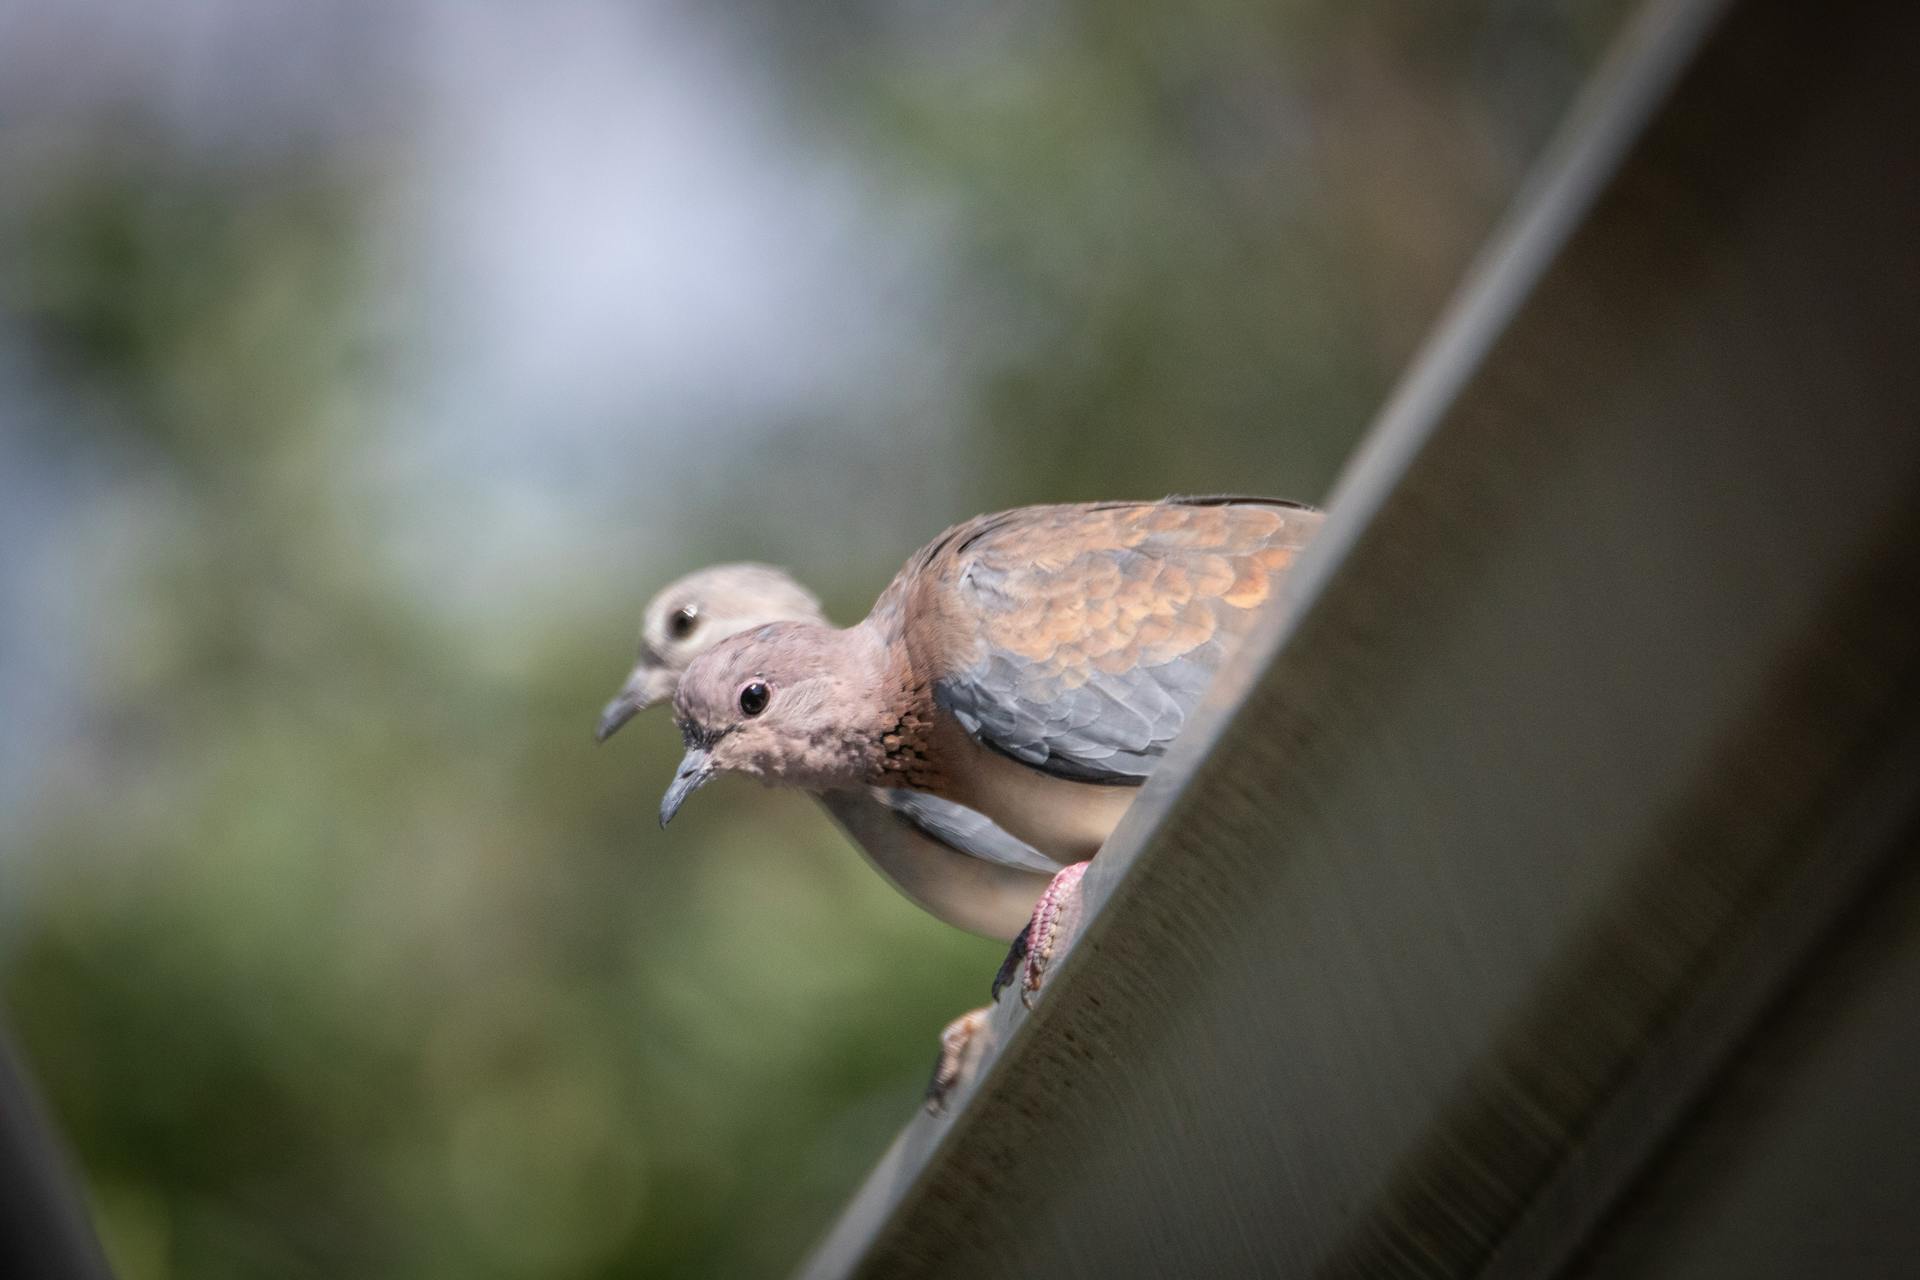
1065,820
967,892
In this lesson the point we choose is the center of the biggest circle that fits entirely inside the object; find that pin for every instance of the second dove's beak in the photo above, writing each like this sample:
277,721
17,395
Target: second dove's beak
695,768
643,688
623,708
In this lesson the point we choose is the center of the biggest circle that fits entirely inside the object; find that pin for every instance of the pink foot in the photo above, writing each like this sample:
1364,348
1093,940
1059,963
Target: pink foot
1044,933
961,1045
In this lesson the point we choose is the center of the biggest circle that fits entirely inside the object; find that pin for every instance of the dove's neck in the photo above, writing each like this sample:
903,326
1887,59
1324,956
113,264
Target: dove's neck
888,716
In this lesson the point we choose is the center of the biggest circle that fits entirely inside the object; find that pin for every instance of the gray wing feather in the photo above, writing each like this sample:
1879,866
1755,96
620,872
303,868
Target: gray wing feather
963,829
1113,729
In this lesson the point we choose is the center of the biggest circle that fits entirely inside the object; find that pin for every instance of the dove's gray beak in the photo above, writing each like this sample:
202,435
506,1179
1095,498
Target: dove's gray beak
695,768
623,708
646,686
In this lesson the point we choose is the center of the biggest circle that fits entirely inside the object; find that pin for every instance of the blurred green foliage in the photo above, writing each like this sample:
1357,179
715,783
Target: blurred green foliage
334,943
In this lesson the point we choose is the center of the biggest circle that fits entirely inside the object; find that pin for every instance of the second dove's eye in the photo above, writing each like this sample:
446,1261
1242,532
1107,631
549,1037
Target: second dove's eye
681,624
753,697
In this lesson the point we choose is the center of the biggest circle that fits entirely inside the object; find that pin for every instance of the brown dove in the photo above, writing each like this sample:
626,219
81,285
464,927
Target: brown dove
946,859
1032,666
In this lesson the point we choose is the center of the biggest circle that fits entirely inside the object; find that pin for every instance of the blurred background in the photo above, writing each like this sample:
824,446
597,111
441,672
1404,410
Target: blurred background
365,366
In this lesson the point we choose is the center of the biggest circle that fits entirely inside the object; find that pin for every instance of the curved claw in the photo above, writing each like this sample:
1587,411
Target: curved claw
1016,955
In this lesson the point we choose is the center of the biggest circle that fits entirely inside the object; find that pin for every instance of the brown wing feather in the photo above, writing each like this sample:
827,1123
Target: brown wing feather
1079,638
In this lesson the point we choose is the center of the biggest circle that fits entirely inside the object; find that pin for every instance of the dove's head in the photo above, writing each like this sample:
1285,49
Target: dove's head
690,616
789,703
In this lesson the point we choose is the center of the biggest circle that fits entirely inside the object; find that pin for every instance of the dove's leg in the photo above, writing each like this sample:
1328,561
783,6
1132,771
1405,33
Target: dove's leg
964,1039
1033,950
960,1045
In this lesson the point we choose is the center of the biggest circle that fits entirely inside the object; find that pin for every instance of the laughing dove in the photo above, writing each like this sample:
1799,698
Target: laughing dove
1032,665
952,862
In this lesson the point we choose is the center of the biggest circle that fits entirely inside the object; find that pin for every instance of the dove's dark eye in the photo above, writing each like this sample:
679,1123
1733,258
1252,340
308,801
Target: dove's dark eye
683,621
753,697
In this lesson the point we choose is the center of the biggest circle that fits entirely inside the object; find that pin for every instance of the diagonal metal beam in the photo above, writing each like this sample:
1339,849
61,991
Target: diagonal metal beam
1589,743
